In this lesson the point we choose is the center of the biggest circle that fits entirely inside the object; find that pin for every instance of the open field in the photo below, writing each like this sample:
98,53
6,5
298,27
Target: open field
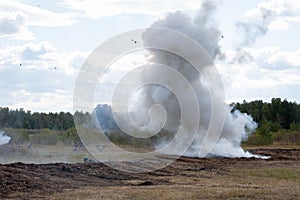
186,178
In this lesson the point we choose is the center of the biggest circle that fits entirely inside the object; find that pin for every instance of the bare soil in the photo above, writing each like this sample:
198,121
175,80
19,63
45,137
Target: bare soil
60,180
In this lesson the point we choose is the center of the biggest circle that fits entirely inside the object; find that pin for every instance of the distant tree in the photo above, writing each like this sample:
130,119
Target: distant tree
265,111
276,110
279,113
4,117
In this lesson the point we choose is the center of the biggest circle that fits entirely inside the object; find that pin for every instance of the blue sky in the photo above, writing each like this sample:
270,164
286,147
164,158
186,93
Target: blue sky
44,43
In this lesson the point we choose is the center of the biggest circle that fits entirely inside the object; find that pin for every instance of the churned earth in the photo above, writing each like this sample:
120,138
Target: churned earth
186,178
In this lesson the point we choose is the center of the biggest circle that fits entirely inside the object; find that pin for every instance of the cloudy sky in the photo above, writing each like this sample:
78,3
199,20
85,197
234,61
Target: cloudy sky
44,43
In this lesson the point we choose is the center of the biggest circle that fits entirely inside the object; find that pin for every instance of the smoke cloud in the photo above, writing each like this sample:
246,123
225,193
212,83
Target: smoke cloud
4,139
270,15
201,28
152,97
251,31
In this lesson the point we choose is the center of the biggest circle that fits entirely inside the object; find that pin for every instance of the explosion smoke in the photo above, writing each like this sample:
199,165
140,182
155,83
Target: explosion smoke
201,28
178,90
4,139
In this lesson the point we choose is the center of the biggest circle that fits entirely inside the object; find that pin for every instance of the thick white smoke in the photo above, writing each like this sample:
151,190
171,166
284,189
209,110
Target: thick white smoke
4,139
201,28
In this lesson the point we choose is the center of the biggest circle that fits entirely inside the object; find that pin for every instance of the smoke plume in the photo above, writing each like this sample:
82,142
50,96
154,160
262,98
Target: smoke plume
4,139
269,15
201,28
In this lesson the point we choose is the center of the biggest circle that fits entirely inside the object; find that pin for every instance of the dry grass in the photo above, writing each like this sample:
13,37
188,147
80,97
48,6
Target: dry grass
264,183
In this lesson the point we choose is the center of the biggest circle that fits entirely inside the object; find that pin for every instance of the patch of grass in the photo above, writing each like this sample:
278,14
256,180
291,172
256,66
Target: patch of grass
192,192
287,137
277,173
264,183
46,137
264,137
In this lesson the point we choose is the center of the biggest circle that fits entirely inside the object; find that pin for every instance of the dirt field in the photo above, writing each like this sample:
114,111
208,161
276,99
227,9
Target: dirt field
186,178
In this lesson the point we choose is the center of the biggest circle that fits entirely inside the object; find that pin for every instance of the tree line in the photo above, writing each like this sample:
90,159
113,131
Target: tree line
278,121
20,118
280,114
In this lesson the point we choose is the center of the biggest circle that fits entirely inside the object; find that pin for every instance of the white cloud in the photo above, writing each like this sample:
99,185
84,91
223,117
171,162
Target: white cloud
278,25
251,82
36,76
14,25
286,58
270,72
41,55
38,16
277,13
274,58
12,22
95,9
17,17
27,55
39,102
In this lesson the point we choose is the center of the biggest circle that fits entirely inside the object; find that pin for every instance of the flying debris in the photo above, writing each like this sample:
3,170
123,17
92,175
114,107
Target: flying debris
52,67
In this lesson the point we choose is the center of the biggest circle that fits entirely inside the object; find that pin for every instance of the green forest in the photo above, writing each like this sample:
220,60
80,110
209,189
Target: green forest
27,120
280,114
278,121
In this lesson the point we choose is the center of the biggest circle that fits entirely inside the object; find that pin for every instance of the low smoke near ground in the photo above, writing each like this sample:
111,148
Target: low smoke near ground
4,139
